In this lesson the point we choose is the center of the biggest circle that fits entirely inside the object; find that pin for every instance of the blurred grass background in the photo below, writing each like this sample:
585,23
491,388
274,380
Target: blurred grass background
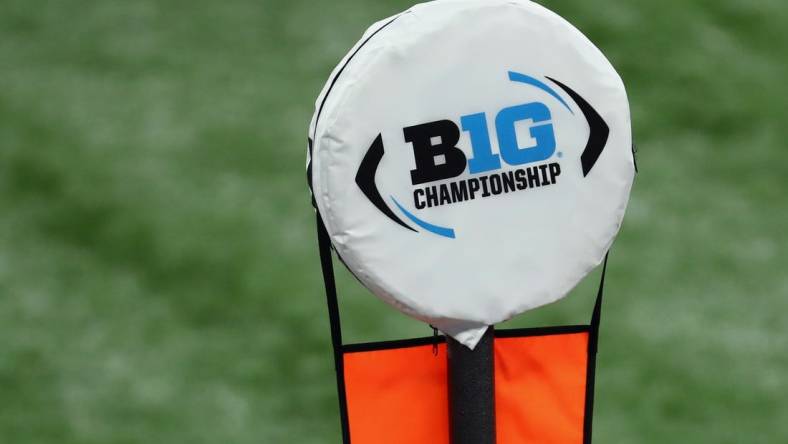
159,279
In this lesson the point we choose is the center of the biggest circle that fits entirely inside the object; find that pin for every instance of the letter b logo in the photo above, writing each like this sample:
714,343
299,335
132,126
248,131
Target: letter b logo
434,147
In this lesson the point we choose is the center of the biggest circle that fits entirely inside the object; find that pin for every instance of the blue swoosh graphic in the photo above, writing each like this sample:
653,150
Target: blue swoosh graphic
522,78
442,231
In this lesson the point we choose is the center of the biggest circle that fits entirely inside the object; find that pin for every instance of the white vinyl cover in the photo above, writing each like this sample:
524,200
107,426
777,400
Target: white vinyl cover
471,160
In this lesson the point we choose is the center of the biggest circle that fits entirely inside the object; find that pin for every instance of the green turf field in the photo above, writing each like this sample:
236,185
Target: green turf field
158,272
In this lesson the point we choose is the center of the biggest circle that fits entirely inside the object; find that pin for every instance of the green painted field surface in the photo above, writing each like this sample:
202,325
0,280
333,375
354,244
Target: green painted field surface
158,273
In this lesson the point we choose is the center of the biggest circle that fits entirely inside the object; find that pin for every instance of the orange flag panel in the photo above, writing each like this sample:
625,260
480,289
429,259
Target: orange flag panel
400,395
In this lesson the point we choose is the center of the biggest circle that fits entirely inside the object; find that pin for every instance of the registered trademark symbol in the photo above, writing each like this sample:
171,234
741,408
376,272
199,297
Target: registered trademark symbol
559,154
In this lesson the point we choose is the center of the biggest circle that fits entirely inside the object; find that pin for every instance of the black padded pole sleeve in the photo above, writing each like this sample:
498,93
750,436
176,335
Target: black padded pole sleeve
472,391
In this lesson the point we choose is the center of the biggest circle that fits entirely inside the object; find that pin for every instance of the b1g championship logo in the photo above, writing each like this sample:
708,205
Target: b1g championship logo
513,168
471,159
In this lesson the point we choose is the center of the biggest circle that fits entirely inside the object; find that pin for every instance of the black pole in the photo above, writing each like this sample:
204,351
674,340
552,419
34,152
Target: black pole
472,391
